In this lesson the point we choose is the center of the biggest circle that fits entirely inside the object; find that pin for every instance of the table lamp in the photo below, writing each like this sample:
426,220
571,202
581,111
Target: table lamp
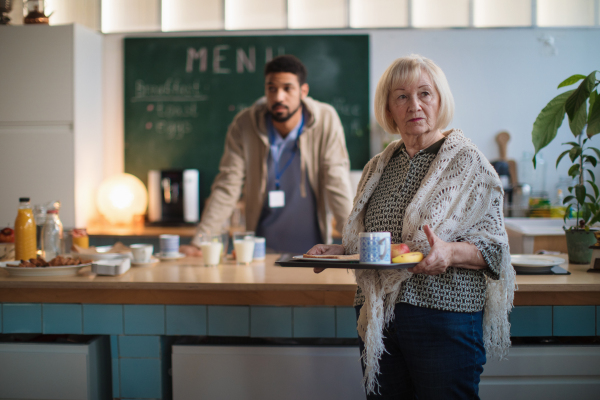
122,197
595,263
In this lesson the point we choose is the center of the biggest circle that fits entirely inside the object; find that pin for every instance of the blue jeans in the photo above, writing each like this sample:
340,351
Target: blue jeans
430,354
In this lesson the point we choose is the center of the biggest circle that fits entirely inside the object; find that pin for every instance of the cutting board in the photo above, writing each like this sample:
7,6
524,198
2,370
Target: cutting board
502,139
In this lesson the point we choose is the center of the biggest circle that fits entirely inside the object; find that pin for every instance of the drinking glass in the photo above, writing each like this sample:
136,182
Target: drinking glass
212,248
243,244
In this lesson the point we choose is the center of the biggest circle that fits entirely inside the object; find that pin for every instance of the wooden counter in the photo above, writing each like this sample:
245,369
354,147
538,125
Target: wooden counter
188,282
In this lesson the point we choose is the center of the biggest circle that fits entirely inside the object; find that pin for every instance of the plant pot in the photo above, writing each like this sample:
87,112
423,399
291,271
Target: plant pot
578,245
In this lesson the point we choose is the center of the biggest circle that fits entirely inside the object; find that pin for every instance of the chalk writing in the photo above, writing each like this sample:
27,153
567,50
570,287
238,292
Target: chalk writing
350,110
173,130
189,110
170,90
244,61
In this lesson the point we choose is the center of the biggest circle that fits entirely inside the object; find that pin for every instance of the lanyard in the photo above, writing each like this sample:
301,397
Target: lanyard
279,173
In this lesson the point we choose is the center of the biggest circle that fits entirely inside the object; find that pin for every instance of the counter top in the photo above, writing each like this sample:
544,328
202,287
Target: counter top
536,226
186,281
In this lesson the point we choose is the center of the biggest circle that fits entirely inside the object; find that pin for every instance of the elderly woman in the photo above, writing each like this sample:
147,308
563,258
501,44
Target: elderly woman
425,331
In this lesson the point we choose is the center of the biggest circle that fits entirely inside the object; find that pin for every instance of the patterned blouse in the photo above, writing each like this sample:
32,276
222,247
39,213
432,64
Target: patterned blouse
461,290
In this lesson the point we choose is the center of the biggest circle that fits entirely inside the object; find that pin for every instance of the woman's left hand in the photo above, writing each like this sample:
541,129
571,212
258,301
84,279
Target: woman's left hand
438,259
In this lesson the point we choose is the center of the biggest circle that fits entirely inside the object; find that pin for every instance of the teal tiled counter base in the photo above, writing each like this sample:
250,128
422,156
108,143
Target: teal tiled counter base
141,335
539,321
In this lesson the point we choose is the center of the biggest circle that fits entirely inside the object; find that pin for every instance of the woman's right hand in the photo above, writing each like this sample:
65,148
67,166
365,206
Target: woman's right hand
321,249
190,250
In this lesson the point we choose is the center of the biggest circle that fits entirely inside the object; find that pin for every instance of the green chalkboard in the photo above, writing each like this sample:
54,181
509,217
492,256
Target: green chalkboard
182,93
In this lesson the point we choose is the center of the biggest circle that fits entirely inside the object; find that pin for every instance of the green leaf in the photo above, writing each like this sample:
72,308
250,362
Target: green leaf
580,193
574,153
568,199
572,143
579,120
574,171
591,160
593,97
564,153
593,122
548,121
580,96
596,218
570,189
595,150
571,80
591,174
586,213
595,187
589,196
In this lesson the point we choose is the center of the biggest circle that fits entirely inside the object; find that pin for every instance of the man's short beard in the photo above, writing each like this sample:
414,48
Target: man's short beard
279,118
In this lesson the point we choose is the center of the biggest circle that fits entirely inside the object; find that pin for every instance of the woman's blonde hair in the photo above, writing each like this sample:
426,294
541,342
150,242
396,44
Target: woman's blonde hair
406,71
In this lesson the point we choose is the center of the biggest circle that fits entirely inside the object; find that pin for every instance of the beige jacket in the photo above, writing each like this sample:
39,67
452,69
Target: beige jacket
244,165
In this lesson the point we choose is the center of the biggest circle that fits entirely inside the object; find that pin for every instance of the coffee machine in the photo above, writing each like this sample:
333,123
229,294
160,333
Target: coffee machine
173,197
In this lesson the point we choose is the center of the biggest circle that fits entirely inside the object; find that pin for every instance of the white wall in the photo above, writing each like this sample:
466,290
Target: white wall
500,78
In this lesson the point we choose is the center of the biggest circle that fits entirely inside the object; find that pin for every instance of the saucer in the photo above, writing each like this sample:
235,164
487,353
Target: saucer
153,260
165,257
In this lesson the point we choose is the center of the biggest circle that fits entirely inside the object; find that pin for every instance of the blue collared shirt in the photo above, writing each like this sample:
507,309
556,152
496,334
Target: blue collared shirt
293,228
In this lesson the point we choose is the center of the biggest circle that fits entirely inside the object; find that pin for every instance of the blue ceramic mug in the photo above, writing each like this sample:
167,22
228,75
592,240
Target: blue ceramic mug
375,247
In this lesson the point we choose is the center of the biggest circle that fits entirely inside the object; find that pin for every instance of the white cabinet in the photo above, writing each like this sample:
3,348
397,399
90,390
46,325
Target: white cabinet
51,145
549,372
266,373
56,371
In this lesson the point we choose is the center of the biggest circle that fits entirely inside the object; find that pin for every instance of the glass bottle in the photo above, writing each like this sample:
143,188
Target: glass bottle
52,233
25,243
39,214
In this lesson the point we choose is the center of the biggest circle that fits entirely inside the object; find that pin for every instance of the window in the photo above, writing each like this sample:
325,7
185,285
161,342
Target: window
440,13
565,12
311,14
255,14
185,15
378,13
83,12
497,13
130,15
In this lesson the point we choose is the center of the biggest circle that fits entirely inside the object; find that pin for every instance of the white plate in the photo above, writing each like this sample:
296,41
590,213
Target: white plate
65,270
164,257
153,260
302,258
102,254
535,261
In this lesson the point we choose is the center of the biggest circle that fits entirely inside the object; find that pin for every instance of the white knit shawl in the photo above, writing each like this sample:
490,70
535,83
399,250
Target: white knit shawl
455,199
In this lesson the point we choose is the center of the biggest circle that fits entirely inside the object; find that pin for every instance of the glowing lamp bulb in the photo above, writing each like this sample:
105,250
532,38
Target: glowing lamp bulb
121,197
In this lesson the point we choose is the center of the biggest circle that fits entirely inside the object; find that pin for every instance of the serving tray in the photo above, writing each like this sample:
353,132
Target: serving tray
287,260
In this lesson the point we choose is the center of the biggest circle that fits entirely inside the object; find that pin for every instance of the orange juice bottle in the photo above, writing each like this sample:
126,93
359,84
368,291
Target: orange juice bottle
25,244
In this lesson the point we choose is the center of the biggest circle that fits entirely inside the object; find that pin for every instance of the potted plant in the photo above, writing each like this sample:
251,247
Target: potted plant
582,106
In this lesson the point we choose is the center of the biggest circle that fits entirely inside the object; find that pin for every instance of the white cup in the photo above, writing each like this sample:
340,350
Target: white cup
212,248
375,247
169,245
243,244
141,252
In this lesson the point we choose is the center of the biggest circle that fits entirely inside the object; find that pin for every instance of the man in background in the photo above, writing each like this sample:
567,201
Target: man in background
287,154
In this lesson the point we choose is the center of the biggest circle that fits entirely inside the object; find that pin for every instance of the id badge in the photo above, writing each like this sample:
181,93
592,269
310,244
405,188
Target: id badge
276,198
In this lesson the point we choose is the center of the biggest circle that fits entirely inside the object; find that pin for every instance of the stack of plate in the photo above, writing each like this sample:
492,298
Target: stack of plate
534,264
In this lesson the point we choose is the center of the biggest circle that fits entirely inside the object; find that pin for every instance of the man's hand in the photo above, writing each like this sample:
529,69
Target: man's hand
320,249
190,250
439,258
